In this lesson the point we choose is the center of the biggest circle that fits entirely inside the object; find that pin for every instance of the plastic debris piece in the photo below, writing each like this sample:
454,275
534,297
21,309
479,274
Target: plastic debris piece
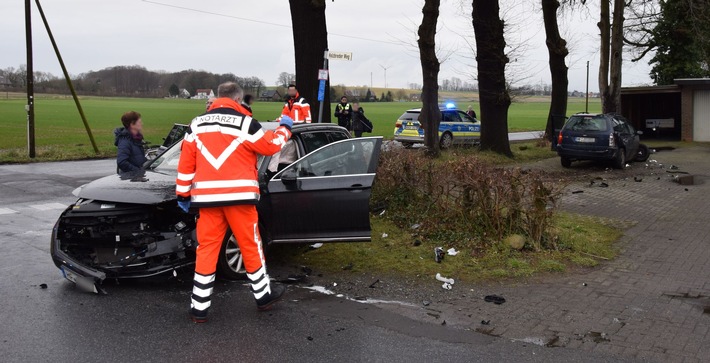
372,285
339,295
452,252
494,299
309,338
438,254
385,235
335,284
42,286
578,191
416,226
426,303
584,284
383,212
485,322
446,286
316,246
444,279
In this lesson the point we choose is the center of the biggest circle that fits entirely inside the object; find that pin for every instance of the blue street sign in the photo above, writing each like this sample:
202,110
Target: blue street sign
321,90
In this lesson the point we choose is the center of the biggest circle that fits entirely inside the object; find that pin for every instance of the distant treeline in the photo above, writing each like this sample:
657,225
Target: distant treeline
129,81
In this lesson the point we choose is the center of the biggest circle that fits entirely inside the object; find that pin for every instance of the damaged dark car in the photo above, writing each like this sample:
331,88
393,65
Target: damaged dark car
317,189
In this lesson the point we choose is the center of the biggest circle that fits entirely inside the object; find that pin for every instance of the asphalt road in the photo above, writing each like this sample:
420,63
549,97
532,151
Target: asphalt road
147,320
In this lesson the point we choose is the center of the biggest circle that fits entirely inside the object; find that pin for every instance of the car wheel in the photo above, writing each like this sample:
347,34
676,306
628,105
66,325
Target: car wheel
230,264
620,159
566,163
446,140
642,154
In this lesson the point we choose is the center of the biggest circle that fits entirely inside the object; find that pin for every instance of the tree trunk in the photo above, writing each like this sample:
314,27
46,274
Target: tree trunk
492,88
310,40
617,44
605,37
557,50
431,115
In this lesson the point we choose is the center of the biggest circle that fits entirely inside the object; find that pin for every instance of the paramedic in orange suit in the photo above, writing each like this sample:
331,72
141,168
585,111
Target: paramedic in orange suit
217,175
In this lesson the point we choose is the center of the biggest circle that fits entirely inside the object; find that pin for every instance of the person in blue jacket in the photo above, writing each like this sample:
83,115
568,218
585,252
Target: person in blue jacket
129,141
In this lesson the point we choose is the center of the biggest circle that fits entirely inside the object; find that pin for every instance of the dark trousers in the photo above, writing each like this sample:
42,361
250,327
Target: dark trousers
358,133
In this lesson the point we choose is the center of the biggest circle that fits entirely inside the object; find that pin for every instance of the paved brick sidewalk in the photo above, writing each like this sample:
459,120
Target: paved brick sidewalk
651,303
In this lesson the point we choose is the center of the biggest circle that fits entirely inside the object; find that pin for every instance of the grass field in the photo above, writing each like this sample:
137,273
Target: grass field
60,133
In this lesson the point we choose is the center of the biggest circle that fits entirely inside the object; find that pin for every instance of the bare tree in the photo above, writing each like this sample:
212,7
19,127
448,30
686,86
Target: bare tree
557,50
431,115
612,43
491,60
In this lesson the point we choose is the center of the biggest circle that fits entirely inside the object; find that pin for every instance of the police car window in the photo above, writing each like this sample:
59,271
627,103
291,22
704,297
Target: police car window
465,117
347,157
448,116
409,116
314,140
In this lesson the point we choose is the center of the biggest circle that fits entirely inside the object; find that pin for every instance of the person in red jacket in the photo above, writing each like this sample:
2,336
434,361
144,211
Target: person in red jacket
296,107
217,174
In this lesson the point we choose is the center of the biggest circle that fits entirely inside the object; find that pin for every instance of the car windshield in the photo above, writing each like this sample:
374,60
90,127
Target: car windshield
168,161
409,116
587,123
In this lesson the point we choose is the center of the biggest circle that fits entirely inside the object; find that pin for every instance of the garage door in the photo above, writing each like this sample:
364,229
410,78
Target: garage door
701,116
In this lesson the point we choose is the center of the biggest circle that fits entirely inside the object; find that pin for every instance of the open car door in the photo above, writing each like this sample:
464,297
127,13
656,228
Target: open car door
324,196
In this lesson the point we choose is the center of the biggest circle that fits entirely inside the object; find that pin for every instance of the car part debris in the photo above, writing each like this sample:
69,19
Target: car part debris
452,252
438,254
335,284
309,338
426,303
444,279
372,285
485,322
43,286
416,226
316,246
578,191
584,284
446,286
494,299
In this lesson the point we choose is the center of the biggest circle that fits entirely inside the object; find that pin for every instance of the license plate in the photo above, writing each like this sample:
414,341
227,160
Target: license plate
83,283
584,139
411,127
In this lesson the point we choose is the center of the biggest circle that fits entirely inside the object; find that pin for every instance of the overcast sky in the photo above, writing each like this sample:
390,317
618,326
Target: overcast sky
254,38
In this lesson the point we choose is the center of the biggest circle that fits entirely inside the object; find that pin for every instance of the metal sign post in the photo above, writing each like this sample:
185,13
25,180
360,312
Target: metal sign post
321,85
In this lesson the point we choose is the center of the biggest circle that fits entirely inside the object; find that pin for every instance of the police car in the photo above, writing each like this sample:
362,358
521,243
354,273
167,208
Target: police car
456,128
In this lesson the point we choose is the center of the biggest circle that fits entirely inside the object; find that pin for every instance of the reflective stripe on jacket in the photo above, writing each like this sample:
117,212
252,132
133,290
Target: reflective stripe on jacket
218,161
298,109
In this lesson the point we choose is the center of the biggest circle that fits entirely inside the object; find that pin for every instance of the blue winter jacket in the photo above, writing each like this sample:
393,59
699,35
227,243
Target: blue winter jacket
130,151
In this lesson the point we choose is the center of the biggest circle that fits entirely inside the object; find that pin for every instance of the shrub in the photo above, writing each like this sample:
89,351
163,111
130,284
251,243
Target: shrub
465,202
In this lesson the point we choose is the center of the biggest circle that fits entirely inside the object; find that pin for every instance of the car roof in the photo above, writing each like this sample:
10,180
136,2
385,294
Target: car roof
415,110
298,128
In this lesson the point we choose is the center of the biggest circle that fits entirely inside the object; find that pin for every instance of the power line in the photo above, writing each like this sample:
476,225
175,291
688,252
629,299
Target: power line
269,23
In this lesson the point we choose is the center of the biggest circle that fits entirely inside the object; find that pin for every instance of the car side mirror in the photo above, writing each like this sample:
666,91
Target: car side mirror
639,132
289,177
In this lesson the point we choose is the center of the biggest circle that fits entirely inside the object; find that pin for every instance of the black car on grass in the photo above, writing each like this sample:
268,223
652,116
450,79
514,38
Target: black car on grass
317,189
601,137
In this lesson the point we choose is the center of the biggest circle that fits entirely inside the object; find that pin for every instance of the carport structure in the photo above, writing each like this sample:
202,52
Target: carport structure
680,111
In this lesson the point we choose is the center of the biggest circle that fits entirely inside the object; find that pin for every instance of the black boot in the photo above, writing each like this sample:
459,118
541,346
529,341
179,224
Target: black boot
201,292
264,293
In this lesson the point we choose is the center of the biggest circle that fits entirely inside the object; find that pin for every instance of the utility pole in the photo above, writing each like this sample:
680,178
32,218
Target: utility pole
322,83
30,108
385,68
586,102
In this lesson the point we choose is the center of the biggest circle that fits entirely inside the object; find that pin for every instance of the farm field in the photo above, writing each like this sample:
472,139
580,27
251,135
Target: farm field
60,133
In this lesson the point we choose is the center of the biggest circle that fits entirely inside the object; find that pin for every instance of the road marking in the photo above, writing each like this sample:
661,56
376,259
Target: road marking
49,206
7,211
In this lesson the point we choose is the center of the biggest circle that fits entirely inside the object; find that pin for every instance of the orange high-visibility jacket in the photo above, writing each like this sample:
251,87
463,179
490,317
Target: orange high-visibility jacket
218,161
298,109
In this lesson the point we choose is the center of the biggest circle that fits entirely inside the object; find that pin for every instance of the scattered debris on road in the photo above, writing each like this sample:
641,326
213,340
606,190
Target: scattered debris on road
42,286
485,322
494,299
372,285
447,282
426,303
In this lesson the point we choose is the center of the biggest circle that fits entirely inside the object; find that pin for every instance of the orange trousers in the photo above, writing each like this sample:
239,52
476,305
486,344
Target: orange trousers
212,225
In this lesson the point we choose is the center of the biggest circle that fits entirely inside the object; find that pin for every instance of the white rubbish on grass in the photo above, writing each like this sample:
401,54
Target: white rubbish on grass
385,235
316,245
444,279
452,251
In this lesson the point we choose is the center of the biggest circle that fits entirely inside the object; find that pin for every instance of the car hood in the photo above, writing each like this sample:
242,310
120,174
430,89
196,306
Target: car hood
140,187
